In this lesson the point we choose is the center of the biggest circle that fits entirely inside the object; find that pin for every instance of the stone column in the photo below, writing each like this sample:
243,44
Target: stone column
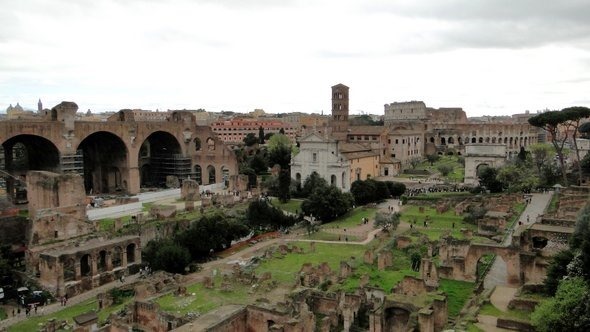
124,257
78,270
133,182
93,267
137,253
109,261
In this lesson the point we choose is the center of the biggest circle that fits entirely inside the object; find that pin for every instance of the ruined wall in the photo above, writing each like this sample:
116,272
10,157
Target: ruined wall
57,208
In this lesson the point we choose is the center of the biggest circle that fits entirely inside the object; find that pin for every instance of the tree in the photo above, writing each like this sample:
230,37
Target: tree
517,177
250,139
488,179
261,135
557,125
258,164
568,311
575,115
327,203
387,221
557,270
211,232
445,169
541,155
279,152
172,258
381,191
522,155
415,162
166,255
262,214
432,158
396,189
314,180
364,192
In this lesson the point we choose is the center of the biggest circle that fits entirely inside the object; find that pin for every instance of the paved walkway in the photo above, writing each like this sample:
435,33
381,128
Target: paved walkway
539,202
496,277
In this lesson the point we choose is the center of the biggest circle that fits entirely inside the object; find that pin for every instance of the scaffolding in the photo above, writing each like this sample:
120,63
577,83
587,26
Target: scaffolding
72,163
165,165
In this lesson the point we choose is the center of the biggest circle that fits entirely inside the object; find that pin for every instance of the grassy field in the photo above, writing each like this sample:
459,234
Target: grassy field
293,205
325,236
438,223
285,269
201,300
68,313
458,292
383,279
489,309
352,218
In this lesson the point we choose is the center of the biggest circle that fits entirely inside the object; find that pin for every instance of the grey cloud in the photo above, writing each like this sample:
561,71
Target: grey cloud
496,24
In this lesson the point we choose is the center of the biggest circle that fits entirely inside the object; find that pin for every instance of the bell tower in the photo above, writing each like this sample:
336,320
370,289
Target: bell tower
339,108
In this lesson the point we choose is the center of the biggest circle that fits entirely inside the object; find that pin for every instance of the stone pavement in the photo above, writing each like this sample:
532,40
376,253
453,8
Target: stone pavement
539,203
496,277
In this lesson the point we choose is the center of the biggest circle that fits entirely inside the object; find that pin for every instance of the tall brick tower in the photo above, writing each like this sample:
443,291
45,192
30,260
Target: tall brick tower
339,108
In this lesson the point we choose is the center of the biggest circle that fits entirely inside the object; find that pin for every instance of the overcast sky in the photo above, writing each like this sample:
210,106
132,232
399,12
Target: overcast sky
489,57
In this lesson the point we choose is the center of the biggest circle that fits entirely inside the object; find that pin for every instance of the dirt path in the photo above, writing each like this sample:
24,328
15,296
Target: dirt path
501,296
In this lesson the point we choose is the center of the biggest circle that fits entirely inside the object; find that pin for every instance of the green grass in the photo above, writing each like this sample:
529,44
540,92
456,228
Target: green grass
491,310
352,218
385,280
438,223
204,299
145,207
325,236
284,270
458,292
68,313
552,208
2,314
108,224
293,205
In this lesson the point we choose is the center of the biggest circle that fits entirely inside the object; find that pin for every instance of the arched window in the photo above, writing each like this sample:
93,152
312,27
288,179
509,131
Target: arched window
117,257
101,265
131,253
85,270
333,180
198,174
69,270
211,174
210,144
197,144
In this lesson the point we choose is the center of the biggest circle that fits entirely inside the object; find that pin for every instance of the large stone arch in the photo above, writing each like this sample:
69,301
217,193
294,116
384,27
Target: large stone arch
23,153
160,155
493,155
106,161
509,255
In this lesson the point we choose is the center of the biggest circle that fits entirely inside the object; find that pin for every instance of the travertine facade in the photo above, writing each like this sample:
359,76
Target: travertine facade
122,154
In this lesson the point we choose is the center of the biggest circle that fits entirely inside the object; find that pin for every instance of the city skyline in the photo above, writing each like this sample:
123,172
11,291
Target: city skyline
497,58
